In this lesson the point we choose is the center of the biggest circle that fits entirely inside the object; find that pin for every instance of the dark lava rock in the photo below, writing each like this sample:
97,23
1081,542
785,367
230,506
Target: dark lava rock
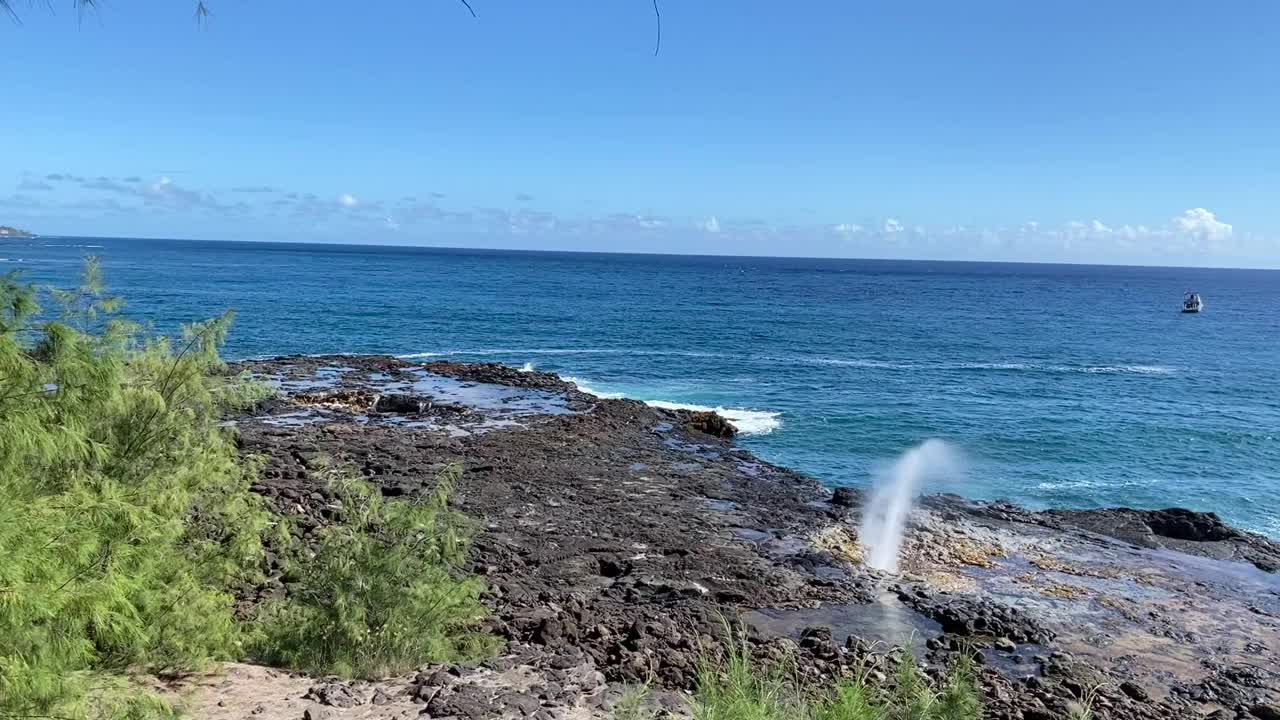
970,616
818,640
526,704
1135,691
844,497
496,374
1191,532
1182,524
333,695
317,713
1265,712
398,404
712,423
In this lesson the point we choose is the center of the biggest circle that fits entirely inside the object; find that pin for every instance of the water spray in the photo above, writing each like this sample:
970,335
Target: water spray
884,518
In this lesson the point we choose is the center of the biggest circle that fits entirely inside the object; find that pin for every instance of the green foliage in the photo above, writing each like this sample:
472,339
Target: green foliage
634,704
849,700
732,689
382,593
127,525
126,518
957,699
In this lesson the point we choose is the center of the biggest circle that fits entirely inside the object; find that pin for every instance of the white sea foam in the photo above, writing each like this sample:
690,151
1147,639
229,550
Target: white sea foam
586,387
561,351
1128,369
527,367
849,362
996,366
867,363
748,422
992,366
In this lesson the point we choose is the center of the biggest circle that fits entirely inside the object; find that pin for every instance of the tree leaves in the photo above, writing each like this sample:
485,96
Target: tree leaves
125,512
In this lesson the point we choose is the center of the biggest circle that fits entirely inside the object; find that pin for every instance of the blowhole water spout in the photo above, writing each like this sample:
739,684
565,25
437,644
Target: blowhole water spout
884,518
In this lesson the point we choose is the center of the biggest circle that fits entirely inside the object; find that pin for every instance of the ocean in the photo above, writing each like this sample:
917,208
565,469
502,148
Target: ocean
1060,386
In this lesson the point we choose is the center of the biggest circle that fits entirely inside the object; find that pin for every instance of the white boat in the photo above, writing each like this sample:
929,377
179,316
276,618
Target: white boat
1191,303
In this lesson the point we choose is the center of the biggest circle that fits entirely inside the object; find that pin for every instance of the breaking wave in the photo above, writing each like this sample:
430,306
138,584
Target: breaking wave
748,422
585,386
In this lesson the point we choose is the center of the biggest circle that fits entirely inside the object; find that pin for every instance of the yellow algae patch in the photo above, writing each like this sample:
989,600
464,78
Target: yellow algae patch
925,549
1051,589
1048,562
840,543
951,582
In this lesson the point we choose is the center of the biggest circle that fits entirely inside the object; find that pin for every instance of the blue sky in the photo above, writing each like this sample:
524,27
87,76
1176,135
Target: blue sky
1136,131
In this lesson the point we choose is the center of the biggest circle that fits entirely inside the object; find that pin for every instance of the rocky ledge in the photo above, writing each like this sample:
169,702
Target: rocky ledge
616,539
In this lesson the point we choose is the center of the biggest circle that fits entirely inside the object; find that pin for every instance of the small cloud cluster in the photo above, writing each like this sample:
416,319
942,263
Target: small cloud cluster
1204,225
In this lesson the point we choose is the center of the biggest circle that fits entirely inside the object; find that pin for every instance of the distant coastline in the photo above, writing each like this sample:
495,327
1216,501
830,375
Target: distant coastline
13,232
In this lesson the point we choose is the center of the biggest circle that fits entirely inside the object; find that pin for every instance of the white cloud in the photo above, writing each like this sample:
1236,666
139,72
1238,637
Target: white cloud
1195,235
1202,225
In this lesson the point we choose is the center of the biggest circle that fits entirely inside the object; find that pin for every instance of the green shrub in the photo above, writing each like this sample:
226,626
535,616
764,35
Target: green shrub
382,593
126,519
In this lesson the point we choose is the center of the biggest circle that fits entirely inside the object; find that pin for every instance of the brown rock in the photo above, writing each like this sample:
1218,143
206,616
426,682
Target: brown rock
712,423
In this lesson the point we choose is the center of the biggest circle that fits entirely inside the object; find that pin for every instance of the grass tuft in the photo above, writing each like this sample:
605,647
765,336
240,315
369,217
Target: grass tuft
732,688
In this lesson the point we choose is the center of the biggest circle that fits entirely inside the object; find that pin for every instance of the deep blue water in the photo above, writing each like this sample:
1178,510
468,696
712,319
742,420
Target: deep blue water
1063,386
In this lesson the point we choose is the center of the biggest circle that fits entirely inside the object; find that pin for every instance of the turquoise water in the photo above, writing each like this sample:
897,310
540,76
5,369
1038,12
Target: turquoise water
1062,386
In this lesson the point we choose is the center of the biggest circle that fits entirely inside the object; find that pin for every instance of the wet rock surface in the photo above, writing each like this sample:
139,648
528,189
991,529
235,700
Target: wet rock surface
615,539
1177,529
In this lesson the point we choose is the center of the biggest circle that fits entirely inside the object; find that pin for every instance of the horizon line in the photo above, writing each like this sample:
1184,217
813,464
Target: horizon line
34,236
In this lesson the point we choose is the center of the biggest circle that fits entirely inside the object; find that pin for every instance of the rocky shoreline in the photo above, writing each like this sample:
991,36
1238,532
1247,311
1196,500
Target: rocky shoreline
617,538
